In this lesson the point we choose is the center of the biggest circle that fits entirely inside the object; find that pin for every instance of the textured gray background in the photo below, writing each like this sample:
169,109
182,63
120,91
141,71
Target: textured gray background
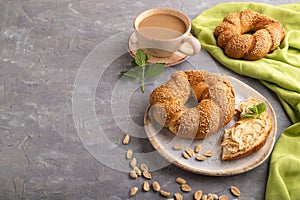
42,45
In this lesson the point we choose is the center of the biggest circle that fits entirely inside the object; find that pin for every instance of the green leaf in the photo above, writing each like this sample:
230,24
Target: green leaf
155,69
133,63
257,116
251,109
255,110
143,78
141,58
131,73
261,108
139,68
122,73
247,115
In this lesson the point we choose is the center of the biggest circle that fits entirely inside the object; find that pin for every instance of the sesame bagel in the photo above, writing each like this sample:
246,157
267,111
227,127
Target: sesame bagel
193,104
234,35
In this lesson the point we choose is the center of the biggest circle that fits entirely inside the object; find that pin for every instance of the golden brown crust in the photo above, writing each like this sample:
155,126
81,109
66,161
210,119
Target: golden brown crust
215,103
261,45
276,31
186,126
166,105
240,42
179,85
198,84
232,35
230,101
208,124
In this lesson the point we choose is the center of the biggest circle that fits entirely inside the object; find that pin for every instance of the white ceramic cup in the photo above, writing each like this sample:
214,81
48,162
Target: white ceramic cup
162,40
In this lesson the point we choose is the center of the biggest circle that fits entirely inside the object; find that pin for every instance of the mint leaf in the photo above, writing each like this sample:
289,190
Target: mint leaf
141,58
247,115
133,63
139,69
155,69
261,108
131,73
255,111
251,109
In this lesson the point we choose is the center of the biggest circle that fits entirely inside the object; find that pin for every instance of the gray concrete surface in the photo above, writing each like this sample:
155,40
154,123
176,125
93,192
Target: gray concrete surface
43,45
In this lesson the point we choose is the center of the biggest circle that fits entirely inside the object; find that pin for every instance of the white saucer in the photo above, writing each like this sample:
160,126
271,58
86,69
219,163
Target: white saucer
175,59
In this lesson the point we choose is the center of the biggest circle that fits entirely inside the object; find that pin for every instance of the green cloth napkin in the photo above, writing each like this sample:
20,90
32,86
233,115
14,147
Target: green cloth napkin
280,72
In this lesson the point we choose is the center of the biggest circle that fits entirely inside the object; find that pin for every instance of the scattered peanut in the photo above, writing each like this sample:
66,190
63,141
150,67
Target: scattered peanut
129,154
137,171
180,180
164,193
133,162
147,175
235,191
215,197
208,154
155,186
146,186
185,155
178,196
189,151
198,195
144,167
198,148
178,147
223,197
211,196
133,191
126,139
200,157
186,188
133,174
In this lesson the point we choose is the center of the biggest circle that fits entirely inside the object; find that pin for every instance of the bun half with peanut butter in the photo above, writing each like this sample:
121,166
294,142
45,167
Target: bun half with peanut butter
249,133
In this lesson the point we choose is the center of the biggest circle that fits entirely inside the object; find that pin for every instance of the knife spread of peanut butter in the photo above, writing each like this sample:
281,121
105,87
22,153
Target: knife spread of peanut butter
247,133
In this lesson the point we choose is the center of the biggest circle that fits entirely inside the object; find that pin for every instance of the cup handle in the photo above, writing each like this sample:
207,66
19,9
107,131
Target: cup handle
193,42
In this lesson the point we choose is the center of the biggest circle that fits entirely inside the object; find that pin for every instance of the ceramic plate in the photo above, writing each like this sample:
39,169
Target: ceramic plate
175,59
163,141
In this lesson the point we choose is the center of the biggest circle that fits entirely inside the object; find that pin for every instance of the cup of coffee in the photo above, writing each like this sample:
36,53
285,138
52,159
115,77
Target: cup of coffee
164,31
